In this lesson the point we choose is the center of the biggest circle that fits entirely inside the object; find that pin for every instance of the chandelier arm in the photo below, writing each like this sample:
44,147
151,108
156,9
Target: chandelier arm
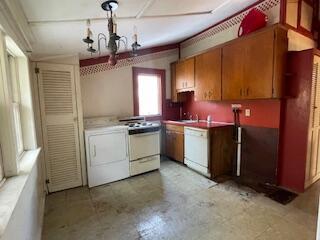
124,40
101,37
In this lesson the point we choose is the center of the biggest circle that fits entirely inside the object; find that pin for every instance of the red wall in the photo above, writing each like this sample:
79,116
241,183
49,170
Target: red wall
295,122
264,113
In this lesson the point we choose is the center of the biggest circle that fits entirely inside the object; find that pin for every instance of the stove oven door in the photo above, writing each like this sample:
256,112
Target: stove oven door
144,145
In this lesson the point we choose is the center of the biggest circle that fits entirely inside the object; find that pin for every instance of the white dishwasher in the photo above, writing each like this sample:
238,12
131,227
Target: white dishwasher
196,149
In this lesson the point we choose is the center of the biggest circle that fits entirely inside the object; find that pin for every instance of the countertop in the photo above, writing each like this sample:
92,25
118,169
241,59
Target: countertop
200,124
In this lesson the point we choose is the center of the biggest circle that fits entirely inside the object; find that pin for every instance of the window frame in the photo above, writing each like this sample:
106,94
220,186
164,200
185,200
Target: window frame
14,81
11,161
161,73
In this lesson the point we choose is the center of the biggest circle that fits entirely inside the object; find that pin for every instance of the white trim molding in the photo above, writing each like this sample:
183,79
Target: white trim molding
14,23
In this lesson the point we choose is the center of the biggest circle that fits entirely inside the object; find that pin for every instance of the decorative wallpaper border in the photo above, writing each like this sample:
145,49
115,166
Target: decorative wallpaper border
263,6
93,69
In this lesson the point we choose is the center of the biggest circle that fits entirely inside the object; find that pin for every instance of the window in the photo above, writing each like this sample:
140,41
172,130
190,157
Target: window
16,106
148,94
17,126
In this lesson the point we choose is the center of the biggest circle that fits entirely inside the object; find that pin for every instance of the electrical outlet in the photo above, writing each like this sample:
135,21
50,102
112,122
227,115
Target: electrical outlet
247,113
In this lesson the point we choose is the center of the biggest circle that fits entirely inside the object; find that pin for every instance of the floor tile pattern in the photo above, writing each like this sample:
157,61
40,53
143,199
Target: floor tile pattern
177,203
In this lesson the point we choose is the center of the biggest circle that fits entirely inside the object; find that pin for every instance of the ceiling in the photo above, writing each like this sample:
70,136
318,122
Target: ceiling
58,26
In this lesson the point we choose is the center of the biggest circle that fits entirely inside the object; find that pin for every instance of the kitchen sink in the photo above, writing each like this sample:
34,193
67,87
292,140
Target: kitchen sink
188,121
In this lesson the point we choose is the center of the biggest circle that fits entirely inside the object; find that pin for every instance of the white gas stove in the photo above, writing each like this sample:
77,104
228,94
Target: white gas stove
144,145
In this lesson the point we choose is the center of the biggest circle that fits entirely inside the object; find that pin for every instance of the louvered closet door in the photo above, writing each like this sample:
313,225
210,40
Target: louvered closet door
60,126
313,161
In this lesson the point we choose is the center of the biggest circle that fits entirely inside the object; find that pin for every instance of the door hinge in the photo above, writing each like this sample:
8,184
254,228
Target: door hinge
37,70
47,181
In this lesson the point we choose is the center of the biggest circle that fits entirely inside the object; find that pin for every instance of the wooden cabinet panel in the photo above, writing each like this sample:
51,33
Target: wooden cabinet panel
175,142
208,76
189,73
222,151
233,64
175,128
175,96
169,146
178,146
253,66
185,74
258,70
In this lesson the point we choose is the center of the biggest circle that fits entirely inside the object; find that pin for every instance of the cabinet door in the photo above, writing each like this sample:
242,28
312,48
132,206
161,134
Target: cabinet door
258,69
189,72
169,147
180,75
175,96
233,63
208,76
185,74
178,149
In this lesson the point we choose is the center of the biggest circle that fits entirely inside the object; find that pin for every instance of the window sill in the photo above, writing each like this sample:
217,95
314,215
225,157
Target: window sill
12,188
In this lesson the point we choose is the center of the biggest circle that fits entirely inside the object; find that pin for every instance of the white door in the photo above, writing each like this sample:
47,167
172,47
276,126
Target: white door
313,155
59,119
107,157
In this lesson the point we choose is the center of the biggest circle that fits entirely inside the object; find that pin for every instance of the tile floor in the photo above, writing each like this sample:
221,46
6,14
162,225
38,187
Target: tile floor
176,203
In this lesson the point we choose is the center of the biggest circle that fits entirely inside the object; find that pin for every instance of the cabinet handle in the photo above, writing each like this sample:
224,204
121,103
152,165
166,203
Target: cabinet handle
247,91
241,92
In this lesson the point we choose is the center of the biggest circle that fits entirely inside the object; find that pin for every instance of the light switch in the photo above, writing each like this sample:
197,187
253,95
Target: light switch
247,113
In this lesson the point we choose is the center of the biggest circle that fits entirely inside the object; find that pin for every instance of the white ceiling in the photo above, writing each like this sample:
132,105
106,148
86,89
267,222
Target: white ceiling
59,25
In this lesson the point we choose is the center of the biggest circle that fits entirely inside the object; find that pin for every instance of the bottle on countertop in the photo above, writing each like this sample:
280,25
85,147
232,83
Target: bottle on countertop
209,119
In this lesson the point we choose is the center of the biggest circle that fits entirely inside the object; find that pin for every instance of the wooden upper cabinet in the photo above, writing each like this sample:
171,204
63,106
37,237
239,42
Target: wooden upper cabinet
253,66
258,70
233,71
208,76
185,74
175,96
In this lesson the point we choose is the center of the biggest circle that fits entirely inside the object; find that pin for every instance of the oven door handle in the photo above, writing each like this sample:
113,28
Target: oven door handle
145,134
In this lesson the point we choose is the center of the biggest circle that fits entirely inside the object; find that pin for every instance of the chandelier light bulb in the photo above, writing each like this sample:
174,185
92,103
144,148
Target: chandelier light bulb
135,35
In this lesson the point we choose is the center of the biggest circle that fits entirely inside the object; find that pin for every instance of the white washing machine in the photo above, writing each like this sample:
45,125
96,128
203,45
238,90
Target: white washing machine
107,151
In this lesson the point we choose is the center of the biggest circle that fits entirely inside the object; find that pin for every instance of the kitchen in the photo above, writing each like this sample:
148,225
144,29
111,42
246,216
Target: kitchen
153,120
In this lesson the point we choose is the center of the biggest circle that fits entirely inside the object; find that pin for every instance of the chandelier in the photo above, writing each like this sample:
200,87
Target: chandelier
112,44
